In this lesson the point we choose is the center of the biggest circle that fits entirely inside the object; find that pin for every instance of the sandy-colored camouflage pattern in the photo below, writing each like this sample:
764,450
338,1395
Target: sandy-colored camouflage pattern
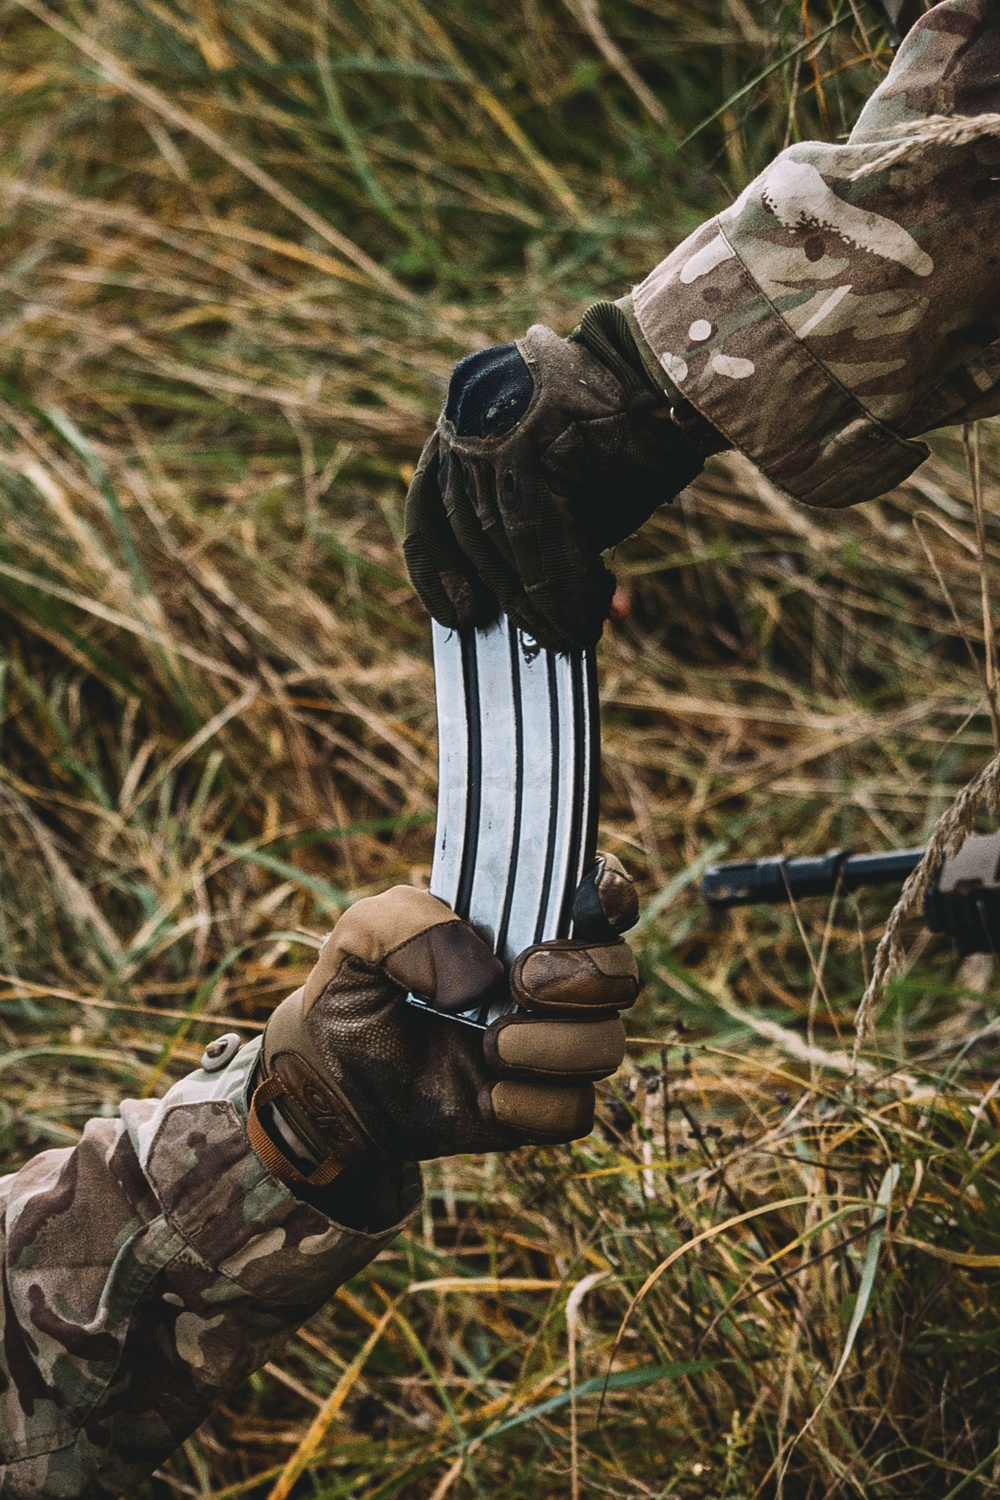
824,320
147,1271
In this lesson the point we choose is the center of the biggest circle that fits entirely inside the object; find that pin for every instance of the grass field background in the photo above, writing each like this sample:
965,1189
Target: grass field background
242,246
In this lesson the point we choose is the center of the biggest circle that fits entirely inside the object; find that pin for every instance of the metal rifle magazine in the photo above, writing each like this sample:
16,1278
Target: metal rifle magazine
518,786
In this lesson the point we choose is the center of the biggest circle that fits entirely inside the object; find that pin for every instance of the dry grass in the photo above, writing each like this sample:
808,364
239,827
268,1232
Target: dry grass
242,246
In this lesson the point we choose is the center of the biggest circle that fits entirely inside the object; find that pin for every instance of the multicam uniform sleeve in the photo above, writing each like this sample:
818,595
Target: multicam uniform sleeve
845,304
147,1271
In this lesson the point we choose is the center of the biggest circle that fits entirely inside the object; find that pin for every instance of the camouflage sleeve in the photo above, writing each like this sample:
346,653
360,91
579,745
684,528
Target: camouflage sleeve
845,303
146,1271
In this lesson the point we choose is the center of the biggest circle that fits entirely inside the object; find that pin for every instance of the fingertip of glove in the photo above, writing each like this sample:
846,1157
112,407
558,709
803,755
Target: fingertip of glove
449,596
564,1049
606,903
426,582
541,1113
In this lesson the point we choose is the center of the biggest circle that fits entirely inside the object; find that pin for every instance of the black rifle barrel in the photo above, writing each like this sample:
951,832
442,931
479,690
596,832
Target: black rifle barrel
769,882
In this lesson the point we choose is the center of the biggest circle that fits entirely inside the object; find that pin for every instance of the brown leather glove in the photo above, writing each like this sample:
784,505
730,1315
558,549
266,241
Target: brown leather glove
362,1079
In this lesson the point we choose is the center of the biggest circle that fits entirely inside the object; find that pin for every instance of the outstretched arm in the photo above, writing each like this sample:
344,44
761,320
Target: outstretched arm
146,1271
848,301
850,298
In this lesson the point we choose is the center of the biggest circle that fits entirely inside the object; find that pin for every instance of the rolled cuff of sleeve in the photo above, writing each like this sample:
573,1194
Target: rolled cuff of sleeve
230,1210
728,349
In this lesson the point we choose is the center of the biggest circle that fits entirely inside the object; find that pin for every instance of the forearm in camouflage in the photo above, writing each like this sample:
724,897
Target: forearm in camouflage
834,311
145,1273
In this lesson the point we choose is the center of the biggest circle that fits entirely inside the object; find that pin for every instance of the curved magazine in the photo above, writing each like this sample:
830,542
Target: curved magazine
518,759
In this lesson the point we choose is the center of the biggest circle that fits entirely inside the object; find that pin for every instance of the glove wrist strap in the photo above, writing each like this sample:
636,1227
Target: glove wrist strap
273,1156
611,332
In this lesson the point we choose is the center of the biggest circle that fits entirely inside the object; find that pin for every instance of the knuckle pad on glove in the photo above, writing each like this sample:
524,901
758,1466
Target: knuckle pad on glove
567,976
541,1111
555,1048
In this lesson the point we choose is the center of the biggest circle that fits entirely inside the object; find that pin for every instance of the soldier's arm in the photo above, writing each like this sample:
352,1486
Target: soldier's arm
145,1272
839,308
848,301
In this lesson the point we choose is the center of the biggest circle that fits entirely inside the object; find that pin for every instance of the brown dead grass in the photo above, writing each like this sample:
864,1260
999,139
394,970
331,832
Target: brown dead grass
242,249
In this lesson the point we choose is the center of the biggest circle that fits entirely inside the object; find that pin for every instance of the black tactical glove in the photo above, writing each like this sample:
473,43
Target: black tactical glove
548,451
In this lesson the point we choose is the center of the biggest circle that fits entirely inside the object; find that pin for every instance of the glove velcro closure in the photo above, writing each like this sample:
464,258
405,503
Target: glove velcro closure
271,1154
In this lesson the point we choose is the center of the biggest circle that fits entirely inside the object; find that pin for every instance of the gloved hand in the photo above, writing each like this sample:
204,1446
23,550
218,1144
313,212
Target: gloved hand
363,1080
547,452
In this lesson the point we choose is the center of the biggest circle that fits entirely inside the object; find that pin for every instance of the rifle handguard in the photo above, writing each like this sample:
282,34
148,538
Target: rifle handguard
963,903
772,881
